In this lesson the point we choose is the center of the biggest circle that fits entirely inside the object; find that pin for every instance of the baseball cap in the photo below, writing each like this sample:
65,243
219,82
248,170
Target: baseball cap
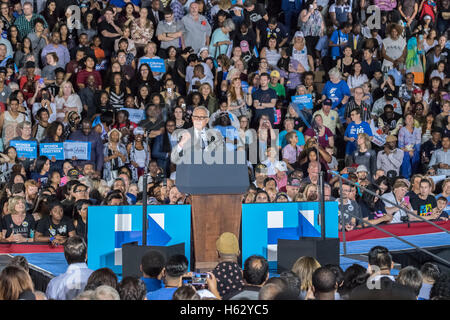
187,50
427,17
417,90
3,70
30,64
261,168
73,173
281,166
299,34
138,130
227,243
389,95
327,102
275,74
391,138
294,182
361,168
244,46
203,49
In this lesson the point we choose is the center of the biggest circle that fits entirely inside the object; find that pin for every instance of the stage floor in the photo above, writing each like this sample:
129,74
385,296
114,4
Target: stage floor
55,263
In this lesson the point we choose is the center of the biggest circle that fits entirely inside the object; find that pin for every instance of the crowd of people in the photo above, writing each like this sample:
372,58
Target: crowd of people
170,279
315,85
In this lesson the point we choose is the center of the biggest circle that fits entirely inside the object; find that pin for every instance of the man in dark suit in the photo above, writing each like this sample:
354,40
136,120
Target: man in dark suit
196,139
380,285
356,39
155,15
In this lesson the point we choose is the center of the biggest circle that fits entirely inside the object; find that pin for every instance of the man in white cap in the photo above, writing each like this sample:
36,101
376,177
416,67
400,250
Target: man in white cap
281,175
362,172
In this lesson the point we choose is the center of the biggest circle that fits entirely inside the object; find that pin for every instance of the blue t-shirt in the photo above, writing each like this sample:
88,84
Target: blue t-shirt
161,294
265,96
352,131
336,91
337,37
152,284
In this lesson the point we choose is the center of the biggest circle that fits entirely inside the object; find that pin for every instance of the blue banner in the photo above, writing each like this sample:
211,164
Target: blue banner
303,101
80,150
157,65
135,115
27,149
263,224
112,226
52,150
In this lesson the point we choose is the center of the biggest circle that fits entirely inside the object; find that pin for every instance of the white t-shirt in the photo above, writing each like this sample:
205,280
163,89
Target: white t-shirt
394,49
397,215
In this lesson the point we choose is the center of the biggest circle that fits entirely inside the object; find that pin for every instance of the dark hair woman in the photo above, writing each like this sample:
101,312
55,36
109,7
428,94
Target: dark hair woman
144,76
80,211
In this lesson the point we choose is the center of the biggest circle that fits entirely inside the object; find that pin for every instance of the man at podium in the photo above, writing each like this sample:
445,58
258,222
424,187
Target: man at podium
197,139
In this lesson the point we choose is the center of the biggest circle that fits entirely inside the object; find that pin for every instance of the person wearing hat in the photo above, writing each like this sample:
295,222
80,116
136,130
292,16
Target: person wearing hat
280,175
276,85
330,118
391,157
416,98
228,272
389,121
27,82
292,188
115,155
260,175
388,98
362,173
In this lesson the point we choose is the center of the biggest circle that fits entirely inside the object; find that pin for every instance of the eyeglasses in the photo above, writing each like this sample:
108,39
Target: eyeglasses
81,191
199,118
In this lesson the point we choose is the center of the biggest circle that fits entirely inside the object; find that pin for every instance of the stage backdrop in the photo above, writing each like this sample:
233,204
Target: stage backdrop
111,226
263,224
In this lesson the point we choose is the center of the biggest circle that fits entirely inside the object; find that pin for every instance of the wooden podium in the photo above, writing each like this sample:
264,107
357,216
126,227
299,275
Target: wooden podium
216,191
213,215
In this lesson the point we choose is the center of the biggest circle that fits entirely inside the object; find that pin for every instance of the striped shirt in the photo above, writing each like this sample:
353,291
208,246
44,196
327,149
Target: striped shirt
25,27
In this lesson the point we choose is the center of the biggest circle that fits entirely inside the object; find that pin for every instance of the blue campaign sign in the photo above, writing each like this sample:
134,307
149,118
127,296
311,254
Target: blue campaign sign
263,224
303,101
135,115
244,85
52,150
27,149
79,149
110,227
157,65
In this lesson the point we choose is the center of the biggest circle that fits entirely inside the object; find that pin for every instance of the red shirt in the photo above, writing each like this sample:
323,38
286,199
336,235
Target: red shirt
28,91
84,74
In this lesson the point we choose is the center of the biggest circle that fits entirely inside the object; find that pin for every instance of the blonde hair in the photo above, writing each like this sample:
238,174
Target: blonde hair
12,204
304,268
61,88
366,137
305,192
14,281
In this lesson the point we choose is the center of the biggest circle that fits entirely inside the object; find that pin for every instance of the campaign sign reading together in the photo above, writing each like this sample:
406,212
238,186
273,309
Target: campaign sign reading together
67,150
51,150
27,149
303,101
